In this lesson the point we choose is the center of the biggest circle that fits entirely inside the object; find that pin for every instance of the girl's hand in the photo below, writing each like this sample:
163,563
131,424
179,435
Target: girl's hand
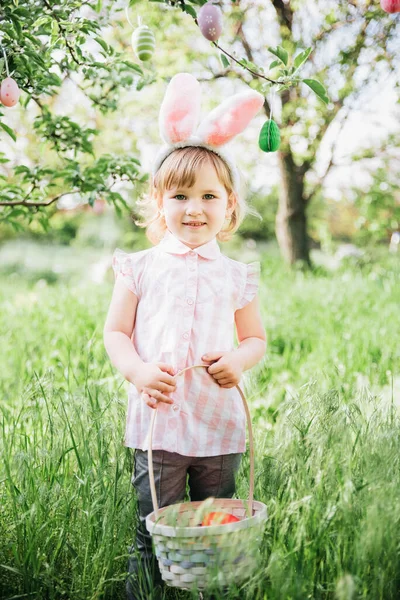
154,382
226,369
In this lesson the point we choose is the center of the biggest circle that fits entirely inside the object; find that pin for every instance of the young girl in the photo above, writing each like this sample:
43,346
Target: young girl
176,305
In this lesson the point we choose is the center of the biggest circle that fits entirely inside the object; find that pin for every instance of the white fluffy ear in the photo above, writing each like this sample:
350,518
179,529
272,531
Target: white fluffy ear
180,109
230,118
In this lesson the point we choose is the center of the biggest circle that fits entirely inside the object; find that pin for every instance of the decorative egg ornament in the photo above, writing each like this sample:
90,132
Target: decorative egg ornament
209,19
390,6
9,92
218,518
143,42
270,137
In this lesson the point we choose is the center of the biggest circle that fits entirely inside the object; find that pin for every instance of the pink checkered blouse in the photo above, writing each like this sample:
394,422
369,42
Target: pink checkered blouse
187,300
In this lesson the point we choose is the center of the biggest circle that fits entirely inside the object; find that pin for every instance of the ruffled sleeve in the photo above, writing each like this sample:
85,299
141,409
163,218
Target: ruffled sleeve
123,266
250,284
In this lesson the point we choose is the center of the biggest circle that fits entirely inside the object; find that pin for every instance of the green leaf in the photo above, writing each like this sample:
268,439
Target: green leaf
189,10
22,12
21,169
55,28
16,24
280,53
249,65
317,88
224,60
8,130
133,66
12,569
16,212
275,63
102,43
301,58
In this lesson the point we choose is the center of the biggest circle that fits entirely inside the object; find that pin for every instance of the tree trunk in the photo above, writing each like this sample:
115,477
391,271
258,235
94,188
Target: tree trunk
291,221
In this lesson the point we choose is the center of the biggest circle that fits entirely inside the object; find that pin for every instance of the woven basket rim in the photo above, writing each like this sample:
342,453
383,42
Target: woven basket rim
156,528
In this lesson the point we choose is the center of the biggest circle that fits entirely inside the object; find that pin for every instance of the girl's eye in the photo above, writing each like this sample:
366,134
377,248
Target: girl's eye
182,196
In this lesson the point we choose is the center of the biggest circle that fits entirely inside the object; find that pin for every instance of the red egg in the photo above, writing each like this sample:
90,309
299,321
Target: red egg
9,92
218,518
390,6
209,19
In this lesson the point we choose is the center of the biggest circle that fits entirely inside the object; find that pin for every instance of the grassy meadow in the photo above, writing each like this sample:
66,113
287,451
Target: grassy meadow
325,407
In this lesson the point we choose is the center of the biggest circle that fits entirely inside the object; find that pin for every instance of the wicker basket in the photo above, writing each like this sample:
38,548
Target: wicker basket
190,556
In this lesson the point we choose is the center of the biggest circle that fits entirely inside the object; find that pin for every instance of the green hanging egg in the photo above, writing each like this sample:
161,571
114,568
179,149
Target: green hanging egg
270,138
143,42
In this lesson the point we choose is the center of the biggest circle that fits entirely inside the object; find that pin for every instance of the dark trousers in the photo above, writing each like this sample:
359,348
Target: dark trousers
208,476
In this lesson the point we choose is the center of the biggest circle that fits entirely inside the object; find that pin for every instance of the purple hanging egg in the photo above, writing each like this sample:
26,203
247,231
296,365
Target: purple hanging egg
209,19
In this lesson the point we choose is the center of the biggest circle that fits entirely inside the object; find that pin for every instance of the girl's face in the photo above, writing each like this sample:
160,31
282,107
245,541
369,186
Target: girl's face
205,204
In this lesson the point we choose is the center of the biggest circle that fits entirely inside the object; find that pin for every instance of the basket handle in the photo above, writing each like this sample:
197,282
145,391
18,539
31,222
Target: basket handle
251,445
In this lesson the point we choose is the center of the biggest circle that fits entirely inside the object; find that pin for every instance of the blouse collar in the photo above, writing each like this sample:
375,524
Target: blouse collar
171,244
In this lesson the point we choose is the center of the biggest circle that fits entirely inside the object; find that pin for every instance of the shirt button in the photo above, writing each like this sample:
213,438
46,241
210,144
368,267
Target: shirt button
186,335
175,407
189,300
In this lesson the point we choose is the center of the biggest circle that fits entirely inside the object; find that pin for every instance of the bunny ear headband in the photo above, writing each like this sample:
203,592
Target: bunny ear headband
180,114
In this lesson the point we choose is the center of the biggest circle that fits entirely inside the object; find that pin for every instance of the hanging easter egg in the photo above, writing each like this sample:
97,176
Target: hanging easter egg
390,6
209,19
143,42
9,92
270,138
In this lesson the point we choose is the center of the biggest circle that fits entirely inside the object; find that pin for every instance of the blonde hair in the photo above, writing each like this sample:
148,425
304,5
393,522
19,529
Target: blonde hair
179,170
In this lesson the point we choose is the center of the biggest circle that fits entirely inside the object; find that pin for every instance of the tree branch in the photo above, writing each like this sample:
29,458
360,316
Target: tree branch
24,202
254,73
64,33
285,13
274,81
249,53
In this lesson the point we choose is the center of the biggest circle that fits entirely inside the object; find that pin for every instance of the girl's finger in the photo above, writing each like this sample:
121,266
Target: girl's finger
217,376
167,386
157,395
149,401
166,368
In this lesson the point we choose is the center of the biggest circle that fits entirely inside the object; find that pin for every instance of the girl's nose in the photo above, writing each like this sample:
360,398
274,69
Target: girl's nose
194,209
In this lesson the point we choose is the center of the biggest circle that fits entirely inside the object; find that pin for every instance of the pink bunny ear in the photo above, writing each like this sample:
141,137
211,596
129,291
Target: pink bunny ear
180,109
230,118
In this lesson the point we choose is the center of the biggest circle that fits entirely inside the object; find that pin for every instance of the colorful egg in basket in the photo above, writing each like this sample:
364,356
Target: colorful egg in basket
199,557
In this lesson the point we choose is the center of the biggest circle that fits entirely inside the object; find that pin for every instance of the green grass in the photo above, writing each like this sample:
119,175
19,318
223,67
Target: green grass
325,412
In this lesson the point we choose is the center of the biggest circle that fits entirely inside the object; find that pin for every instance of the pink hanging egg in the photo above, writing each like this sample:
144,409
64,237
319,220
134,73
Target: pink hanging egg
390,6
9,92
209,19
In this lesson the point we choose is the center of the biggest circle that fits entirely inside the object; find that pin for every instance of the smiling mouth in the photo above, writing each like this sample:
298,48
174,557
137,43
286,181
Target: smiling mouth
194,224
